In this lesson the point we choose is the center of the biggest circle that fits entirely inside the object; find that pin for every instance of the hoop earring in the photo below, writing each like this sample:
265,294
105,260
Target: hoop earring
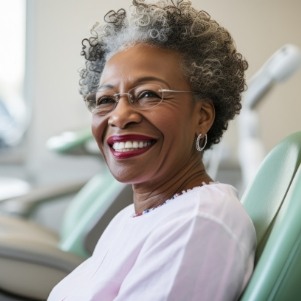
198,139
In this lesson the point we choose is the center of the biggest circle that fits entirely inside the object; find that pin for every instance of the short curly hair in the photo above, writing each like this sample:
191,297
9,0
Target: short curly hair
210,59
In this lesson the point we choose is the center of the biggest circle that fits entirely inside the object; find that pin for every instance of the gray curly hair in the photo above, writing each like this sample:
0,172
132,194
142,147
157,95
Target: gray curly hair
210,59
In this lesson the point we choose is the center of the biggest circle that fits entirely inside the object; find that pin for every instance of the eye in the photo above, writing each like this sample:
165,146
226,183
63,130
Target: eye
148,98
101,102
148,94
104,100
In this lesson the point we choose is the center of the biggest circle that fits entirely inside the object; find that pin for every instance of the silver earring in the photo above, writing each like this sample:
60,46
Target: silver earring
198,139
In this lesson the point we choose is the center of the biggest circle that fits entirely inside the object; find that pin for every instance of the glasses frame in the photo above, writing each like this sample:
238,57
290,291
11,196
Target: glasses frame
132,101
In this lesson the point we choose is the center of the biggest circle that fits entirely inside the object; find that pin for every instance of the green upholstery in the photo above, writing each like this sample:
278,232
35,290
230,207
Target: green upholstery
273,201
264,196
78,214
33,259
91,205
81,202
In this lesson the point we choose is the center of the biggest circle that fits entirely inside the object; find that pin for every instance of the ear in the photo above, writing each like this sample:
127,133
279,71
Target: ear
205,114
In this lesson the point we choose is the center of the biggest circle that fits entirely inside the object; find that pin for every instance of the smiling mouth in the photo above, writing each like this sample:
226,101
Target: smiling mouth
127,146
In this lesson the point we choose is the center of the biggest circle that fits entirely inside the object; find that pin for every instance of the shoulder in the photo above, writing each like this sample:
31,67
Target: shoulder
213,208
217,201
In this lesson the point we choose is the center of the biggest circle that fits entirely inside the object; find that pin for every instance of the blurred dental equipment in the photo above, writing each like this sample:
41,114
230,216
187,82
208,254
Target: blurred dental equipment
12,187
278,68
77,142
14,120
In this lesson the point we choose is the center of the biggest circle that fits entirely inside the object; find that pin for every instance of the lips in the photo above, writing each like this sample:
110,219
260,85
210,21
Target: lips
126,146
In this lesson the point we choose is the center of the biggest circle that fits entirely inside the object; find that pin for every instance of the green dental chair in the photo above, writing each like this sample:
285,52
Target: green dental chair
273,201
33,259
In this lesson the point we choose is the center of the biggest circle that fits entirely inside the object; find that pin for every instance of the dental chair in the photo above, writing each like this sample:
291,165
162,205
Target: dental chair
33,259
28,201
273,201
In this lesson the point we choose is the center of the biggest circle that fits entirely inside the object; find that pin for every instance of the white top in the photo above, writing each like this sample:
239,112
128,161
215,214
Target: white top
198,246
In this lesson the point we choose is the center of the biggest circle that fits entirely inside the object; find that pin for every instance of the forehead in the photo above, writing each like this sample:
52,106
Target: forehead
143,61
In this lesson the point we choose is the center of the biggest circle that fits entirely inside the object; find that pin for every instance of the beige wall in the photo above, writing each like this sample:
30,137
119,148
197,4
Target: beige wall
259,28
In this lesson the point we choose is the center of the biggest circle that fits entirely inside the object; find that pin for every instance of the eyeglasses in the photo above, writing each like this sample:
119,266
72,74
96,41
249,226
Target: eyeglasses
142,97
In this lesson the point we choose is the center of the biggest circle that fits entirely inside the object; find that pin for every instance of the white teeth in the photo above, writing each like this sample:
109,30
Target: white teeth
130,145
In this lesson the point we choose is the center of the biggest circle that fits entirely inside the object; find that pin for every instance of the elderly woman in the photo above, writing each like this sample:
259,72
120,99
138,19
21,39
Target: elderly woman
162,86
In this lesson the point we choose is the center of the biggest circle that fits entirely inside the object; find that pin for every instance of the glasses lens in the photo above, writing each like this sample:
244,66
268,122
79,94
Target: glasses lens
141,97
101,102
146,96
90,101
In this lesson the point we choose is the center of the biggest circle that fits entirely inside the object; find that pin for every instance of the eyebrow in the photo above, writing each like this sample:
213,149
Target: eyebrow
140,80
150,78
107,86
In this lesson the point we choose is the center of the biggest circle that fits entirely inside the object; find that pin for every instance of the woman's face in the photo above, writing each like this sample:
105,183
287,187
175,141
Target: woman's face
153,145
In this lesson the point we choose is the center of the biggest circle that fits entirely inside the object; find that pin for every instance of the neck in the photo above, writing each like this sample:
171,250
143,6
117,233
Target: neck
151,195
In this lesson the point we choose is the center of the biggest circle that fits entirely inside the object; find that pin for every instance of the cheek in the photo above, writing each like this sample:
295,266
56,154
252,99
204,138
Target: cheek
98,129
173,122
180,131
177,136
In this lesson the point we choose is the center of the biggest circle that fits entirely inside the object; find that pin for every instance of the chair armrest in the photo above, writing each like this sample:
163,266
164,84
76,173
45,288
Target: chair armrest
24,205
31,268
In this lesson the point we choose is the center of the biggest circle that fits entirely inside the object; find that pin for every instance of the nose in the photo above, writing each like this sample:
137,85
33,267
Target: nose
124,113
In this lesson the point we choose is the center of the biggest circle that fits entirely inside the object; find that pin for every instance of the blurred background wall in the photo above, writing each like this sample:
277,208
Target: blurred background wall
55,31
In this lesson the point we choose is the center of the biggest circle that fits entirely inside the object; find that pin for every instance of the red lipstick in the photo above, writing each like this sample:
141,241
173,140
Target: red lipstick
127,146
